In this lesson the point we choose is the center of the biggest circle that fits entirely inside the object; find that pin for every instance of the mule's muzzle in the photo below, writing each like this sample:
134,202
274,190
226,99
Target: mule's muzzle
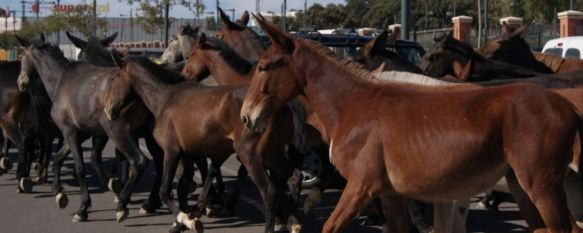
23,81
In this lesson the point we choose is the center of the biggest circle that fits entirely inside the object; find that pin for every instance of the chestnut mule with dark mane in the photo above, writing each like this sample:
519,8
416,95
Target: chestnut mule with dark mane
384,133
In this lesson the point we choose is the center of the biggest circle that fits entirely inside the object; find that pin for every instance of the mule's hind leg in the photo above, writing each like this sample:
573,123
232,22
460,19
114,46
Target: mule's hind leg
395,213
547,194
355,197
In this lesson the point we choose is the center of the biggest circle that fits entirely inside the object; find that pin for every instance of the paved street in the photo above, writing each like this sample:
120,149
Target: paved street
37,212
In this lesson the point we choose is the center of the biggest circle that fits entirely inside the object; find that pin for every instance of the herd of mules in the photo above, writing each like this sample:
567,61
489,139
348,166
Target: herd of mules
397,133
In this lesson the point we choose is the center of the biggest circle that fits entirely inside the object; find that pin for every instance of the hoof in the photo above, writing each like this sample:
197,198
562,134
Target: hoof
121,215
114,185
295,228
25,184
78,218
5,163
62,200
193,224
36,166
145,211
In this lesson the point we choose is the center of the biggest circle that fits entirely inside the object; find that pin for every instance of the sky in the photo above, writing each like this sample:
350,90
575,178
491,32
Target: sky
120,7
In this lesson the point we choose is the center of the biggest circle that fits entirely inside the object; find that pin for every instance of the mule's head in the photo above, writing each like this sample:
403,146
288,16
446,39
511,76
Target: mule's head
449,56
276,80
94,49
196,67
371,54
186,38
27,66
240,37
118,96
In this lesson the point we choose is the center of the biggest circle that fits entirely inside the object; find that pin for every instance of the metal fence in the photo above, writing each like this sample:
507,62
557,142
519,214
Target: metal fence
536,35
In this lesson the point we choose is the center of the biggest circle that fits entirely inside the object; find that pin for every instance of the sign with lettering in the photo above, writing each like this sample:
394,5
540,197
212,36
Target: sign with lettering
101,8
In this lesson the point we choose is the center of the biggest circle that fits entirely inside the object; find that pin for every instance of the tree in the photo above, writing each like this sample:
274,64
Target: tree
151,11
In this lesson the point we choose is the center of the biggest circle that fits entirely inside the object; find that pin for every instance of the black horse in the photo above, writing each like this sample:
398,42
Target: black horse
78,112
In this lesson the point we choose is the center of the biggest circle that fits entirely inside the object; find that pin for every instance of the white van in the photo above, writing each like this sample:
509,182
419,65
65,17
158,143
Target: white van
566,47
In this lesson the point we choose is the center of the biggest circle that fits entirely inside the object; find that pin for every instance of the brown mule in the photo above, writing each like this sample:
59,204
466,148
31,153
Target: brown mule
194,120
382,133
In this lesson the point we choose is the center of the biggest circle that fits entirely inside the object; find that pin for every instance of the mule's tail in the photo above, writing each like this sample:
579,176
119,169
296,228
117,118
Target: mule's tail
300,141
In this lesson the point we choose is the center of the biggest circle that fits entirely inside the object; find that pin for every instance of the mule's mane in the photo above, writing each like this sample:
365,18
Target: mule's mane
353,68
167,76
411,78
231,57
55,52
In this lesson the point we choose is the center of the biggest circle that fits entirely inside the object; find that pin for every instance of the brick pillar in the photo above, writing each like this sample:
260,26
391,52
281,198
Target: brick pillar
570,21
513,22
462,27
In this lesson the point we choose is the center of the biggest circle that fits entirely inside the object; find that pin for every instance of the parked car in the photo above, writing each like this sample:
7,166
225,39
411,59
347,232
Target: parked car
565,47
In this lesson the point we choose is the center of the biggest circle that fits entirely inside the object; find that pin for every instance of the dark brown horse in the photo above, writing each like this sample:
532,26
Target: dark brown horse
449,56
374,125
9,91
78,112
193,120
511,48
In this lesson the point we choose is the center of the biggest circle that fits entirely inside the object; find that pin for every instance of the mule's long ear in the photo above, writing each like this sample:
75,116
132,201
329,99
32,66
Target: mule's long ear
244,20
78,42
278,38
108,40
201,39
381,41
518,32
228,22
24,42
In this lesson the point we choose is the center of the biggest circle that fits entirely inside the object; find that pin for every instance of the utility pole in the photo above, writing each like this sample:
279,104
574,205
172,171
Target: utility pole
405,19
305,14
197,12
284,15
485,21
218,15
23,12
58,15
37,9
94,18
166,22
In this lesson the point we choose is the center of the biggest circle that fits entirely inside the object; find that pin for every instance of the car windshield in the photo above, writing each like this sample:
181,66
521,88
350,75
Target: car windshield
554,51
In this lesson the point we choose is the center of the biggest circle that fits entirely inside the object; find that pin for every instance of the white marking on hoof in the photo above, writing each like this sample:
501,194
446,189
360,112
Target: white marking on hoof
121,215
114,185
193,224
78,218
580,224
62,200
26,184
296,228
115,199
5,163
143,211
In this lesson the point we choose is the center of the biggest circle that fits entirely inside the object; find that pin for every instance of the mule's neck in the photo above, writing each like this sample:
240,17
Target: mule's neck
329,86
224,74
151,90
51,70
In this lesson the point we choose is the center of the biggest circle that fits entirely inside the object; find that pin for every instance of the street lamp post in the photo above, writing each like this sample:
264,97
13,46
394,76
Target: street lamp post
94,18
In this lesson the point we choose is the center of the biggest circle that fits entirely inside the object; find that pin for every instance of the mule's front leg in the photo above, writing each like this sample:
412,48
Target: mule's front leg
153,202
72,139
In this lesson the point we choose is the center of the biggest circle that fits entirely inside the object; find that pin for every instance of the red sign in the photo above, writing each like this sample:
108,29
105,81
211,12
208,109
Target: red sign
80,7
34,8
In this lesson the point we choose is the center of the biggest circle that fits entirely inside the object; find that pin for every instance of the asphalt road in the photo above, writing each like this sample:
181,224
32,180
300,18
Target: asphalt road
37,212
